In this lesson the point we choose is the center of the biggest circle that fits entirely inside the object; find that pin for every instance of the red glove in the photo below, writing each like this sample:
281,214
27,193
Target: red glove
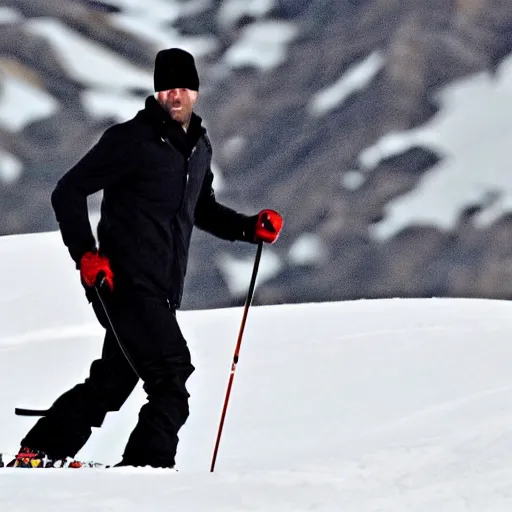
91,265
268,226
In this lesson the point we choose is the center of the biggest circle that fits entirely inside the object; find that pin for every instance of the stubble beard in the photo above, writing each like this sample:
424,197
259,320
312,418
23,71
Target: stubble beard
182,116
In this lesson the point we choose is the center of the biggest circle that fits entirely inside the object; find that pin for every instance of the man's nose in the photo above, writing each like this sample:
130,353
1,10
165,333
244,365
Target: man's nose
176,94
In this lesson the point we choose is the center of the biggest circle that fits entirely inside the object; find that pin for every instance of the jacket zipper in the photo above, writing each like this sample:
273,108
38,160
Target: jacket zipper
187,174
176,232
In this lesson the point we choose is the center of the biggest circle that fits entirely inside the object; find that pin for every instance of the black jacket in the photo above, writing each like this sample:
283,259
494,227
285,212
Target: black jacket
157,183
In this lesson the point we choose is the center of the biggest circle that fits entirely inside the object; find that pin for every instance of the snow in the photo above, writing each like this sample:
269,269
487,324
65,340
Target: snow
9,15
160,11
21,103
88,62
10,168
352,180
163,36
261,44
362,406
307,249
233,147
472,133
219,182
101,104
231,11
356,78
152,20
237,272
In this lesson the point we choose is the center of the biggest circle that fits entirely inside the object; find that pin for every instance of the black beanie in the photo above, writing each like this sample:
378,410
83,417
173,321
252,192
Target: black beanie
175,69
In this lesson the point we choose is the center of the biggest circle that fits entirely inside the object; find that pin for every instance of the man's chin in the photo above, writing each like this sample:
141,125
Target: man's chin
176,116
180,118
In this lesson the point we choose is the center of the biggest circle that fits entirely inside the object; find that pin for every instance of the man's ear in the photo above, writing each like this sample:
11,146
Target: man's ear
193,95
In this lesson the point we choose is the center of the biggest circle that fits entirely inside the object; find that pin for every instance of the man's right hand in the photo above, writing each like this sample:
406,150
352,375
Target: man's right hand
92,265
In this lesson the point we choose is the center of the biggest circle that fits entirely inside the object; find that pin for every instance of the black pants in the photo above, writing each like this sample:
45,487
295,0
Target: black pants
152,338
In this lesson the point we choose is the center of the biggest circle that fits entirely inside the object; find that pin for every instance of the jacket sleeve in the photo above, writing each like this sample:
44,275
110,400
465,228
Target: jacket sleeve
101,167
219,220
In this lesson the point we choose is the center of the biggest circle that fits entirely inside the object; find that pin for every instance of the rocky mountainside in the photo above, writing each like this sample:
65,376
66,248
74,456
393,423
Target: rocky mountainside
292,93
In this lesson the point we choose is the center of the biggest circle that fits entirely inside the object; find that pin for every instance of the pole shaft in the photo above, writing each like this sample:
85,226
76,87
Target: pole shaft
248,302
119,342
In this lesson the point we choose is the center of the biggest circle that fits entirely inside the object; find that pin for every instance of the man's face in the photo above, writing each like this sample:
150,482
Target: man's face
179,103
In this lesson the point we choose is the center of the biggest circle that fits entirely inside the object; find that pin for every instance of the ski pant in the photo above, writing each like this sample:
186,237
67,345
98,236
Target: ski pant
150,335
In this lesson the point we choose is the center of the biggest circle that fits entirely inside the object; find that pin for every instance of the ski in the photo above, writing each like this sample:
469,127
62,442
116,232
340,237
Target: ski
33,461
19,411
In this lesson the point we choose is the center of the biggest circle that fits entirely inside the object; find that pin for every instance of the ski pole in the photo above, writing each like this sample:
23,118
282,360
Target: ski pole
248,302
100,283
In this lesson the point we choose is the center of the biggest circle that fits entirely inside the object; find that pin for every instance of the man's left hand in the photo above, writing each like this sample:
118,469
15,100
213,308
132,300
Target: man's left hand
268,226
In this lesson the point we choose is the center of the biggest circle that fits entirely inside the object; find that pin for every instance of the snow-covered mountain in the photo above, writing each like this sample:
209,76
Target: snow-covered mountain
389,120
400,405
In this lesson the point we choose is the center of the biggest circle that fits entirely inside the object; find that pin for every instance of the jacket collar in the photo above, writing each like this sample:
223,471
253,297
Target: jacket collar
171,130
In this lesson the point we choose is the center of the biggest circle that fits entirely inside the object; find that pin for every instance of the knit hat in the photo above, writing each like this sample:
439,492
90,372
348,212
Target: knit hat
175,69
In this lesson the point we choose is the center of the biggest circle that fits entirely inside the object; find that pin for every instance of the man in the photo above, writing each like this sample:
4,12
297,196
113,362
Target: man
155,174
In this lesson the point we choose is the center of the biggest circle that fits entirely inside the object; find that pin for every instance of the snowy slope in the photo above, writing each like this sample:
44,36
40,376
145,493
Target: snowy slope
386,405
